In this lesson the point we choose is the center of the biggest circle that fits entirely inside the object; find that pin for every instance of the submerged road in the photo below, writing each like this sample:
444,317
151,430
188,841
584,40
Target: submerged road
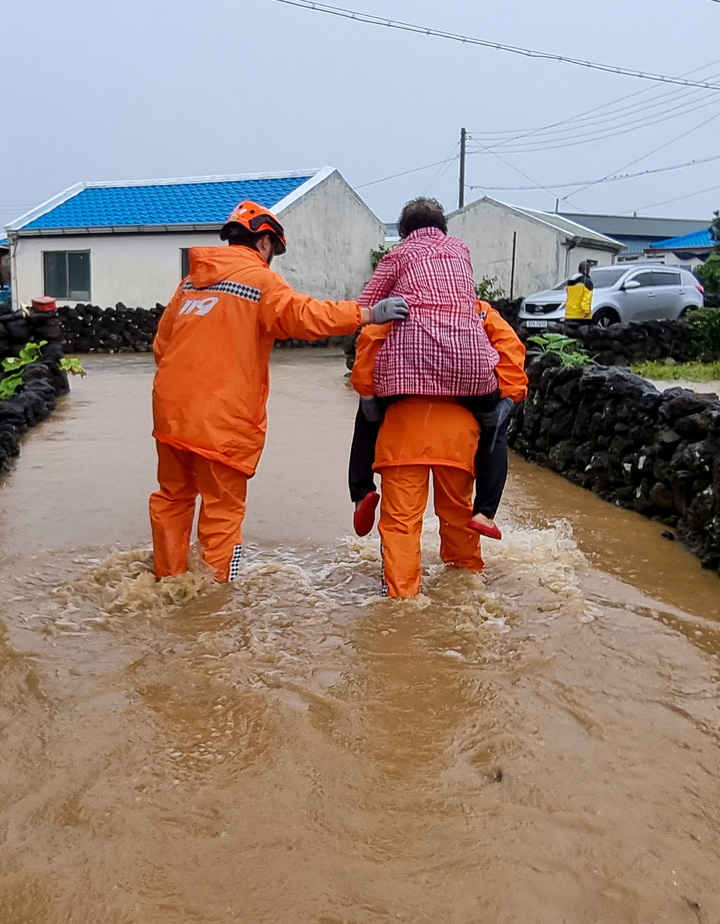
539,744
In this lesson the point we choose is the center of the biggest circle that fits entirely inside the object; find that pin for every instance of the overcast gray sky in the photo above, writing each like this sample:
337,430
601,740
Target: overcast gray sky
173,88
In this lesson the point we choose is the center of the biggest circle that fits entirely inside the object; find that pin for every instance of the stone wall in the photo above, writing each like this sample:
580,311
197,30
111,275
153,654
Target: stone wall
608,430
90,329
626,344
43,380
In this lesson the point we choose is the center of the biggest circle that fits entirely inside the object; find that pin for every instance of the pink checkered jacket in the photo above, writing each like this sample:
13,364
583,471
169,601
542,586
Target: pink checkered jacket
441,348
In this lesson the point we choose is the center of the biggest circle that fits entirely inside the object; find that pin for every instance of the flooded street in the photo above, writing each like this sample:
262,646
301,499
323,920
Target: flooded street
536,745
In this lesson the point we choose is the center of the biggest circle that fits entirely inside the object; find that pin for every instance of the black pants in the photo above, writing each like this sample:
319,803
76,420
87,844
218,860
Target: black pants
490,463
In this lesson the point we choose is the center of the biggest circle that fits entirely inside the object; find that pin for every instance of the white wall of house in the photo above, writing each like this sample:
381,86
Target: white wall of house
675,258
541,257
575,255
330,234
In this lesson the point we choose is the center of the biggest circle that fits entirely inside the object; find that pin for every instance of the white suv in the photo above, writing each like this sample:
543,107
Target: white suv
622,293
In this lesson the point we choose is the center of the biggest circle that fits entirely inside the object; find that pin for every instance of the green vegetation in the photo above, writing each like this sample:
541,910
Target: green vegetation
566,348
489,289
12,367
706,329
715,230
669,370
72,365
377,255
709,274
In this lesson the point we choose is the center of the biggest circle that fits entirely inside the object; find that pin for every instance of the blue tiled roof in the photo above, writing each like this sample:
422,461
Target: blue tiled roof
164,203
697,239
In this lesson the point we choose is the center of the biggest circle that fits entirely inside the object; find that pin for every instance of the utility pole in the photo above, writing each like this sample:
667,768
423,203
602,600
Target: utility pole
461,196
512,267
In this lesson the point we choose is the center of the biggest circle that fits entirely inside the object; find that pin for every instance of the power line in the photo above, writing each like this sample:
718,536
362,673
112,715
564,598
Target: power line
593,118
586,137
498,46
610,179
678,198
394,176
442,170
590,114
606,127
661,147
517,170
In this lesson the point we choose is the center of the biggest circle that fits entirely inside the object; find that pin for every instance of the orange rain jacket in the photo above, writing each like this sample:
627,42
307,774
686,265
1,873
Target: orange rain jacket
427,430
213,347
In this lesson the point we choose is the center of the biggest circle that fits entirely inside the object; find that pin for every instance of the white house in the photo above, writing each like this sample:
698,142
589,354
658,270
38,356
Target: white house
128,241
524,249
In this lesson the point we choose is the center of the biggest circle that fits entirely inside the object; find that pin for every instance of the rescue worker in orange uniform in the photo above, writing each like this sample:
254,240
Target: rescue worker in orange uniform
423,434
210,391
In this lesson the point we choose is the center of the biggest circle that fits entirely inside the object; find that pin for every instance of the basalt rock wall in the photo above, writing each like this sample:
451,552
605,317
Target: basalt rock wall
627,344
42,381
90,329
608,430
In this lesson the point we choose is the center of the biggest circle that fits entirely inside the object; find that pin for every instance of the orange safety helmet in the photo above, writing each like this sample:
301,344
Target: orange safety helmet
258,220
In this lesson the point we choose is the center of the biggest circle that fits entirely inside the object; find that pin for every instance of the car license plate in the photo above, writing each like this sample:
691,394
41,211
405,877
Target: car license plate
529,323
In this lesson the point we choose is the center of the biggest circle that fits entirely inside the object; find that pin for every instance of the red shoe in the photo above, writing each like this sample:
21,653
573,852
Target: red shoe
492,532
364,516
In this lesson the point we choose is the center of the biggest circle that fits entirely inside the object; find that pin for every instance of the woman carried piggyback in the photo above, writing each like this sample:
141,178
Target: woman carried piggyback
440,349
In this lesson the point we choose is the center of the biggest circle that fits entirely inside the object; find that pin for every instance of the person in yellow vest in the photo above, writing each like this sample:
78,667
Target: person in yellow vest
578,305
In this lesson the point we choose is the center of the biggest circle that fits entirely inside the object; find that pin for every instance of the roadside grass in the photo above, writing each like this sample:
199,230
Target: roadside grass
669,370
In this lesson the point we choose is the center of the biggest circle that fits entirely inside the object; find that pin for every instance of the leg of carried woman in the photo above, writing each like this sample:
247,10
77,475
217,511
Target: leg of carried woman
361,482
490,463
491,468
362,458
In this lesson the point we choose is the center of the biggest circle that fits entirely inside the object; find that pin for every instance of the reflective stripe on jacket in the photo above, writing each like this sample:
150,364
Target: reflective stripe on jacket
213,347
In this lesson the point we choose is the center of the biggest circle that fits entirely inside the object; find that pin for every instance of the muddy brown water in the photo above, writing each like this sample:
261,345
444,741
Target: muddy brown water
539,744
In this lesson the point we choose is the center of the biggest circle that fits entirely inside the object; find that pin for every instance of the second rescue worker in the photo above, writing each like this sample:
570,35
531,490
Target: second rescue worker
210,391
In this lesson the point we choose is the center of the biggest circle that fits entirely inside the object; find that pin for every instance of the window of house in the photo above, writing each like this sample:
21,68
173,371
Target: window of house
67,274
184,262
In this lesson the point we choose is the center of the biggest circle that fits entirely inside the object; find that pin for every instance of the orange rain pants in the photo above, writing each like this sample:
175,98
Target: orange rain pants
404,499
420,435
183,475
